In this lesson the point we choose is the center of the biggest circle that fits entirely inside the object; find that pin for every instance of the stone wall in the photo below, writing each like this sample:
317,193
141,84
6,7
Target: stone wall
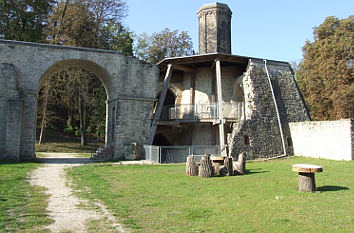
258,133
123,78
323,139
10,112
214,22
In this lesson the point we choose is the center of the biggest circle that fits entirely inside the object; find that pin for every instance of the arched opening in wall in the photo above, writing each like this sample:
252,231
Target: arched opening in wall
170,100
161,140
71,107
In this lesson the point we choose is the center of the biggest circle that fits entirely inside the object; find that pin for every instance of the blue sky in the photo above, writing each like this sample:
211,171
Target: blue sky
270,29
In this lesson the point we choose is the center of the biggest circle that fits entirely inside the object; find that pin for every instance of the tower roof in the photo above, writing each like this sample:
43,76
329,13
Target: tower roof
214,5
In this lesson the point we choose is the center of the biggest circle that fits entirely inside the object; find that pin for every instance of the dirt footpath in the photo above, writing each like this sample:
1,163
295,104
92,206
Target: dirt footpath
63,206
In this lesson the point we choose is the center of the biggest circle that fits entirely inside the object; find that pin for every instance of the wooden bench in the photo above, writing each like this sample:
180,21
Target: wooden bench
307,176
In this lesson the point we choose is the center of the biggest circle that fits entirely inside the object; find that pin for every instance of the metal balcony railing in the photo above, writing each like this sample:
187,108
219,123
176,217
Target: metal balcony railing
195,112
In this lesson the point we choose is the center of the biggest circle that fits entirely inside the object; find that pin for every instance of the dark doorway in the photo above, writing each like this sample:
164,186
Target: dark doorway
161,140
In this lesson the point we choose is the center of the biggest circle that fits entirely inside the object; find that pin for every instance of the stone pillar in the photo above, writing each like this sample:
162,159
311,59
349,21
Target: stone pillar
3,110
13,129
214,28
107,124
28,134
111,118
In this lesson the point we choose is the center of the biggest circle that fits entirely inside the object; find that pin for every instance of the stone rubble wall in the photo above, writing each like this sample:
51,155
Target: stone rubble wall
258,134
323,139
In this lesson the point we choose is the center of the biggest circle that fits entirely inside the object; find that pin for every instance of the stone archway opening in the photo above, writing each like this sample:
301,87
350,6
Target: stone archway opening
71,107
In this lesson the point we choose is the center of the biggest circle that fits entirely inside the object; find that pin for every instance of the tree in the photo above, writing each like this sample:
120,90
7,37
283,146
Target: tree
24,20
163,44
80,98
90,23
325,75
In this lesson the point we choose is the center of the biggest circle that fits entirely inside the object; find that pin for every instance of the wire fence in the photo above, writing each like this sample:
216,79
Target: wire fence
177,154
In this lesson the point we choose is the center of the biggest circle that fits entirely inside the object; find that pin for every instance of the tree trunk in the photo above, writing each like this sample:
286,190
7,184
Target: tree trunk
229,166
44,113
307,182
240,165
191,166
206,168
82,114
69,122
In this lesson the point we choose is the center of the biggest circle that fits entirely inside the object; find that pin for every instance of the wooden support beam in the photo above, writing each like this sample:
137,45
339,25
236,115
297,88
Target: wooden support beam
213,99
183,68
212,66
161,102
220,113
192,89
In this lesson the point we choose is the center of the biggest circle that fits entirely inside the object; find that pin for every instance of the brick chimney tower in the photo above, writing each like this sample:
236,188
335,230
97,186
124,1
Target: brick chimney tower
214,28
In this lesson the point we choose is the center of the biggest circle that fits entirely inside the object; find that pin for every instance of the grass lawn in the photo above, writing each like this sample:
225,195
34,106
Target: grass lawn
160,198
22,207
59,142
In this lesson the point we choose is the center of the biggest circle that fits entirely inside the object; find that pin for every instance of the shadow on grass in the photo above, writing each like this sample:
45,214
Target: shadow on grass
255,171
64,160
327,188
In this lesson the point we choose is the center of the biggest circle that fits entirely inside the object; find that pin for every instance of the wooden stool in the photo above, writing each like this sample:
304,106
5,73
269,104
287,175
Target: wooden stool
217,162
307,176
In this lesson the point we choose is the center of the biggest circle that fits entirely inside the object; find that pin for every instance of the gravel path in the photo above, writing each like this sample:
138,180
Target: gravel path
62,204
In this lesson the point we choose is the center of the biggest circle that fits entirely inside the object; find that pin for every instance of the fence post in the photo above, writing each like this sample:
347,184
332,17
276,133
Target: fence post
159,154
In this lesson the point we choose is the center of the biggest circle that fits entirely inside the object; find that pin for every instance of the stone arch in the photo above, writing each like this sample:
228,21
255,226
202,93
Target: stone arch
170,98
105,80
122,77
90,66
177,92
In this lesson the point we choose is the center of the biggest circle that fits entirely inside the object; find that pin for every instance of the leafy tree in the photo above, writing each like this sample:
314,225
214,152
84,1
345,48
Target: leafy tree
73,98
325,75
24,20
90,23
114,36
163,44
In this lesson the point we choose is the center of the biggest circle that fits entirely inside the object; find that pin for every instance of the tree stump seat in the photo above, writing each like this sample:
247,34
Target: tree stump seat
217,162
307,176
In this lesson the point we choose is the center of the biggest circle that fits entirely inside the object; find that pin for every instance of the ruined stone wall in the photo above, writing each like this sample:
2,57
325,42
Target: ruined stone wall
259,134
323,139
123,78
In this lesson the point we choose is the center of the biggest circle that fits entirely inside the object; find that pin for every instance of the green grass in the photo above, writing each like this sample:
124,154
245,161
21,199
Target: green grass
59,142
160,198
22,207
